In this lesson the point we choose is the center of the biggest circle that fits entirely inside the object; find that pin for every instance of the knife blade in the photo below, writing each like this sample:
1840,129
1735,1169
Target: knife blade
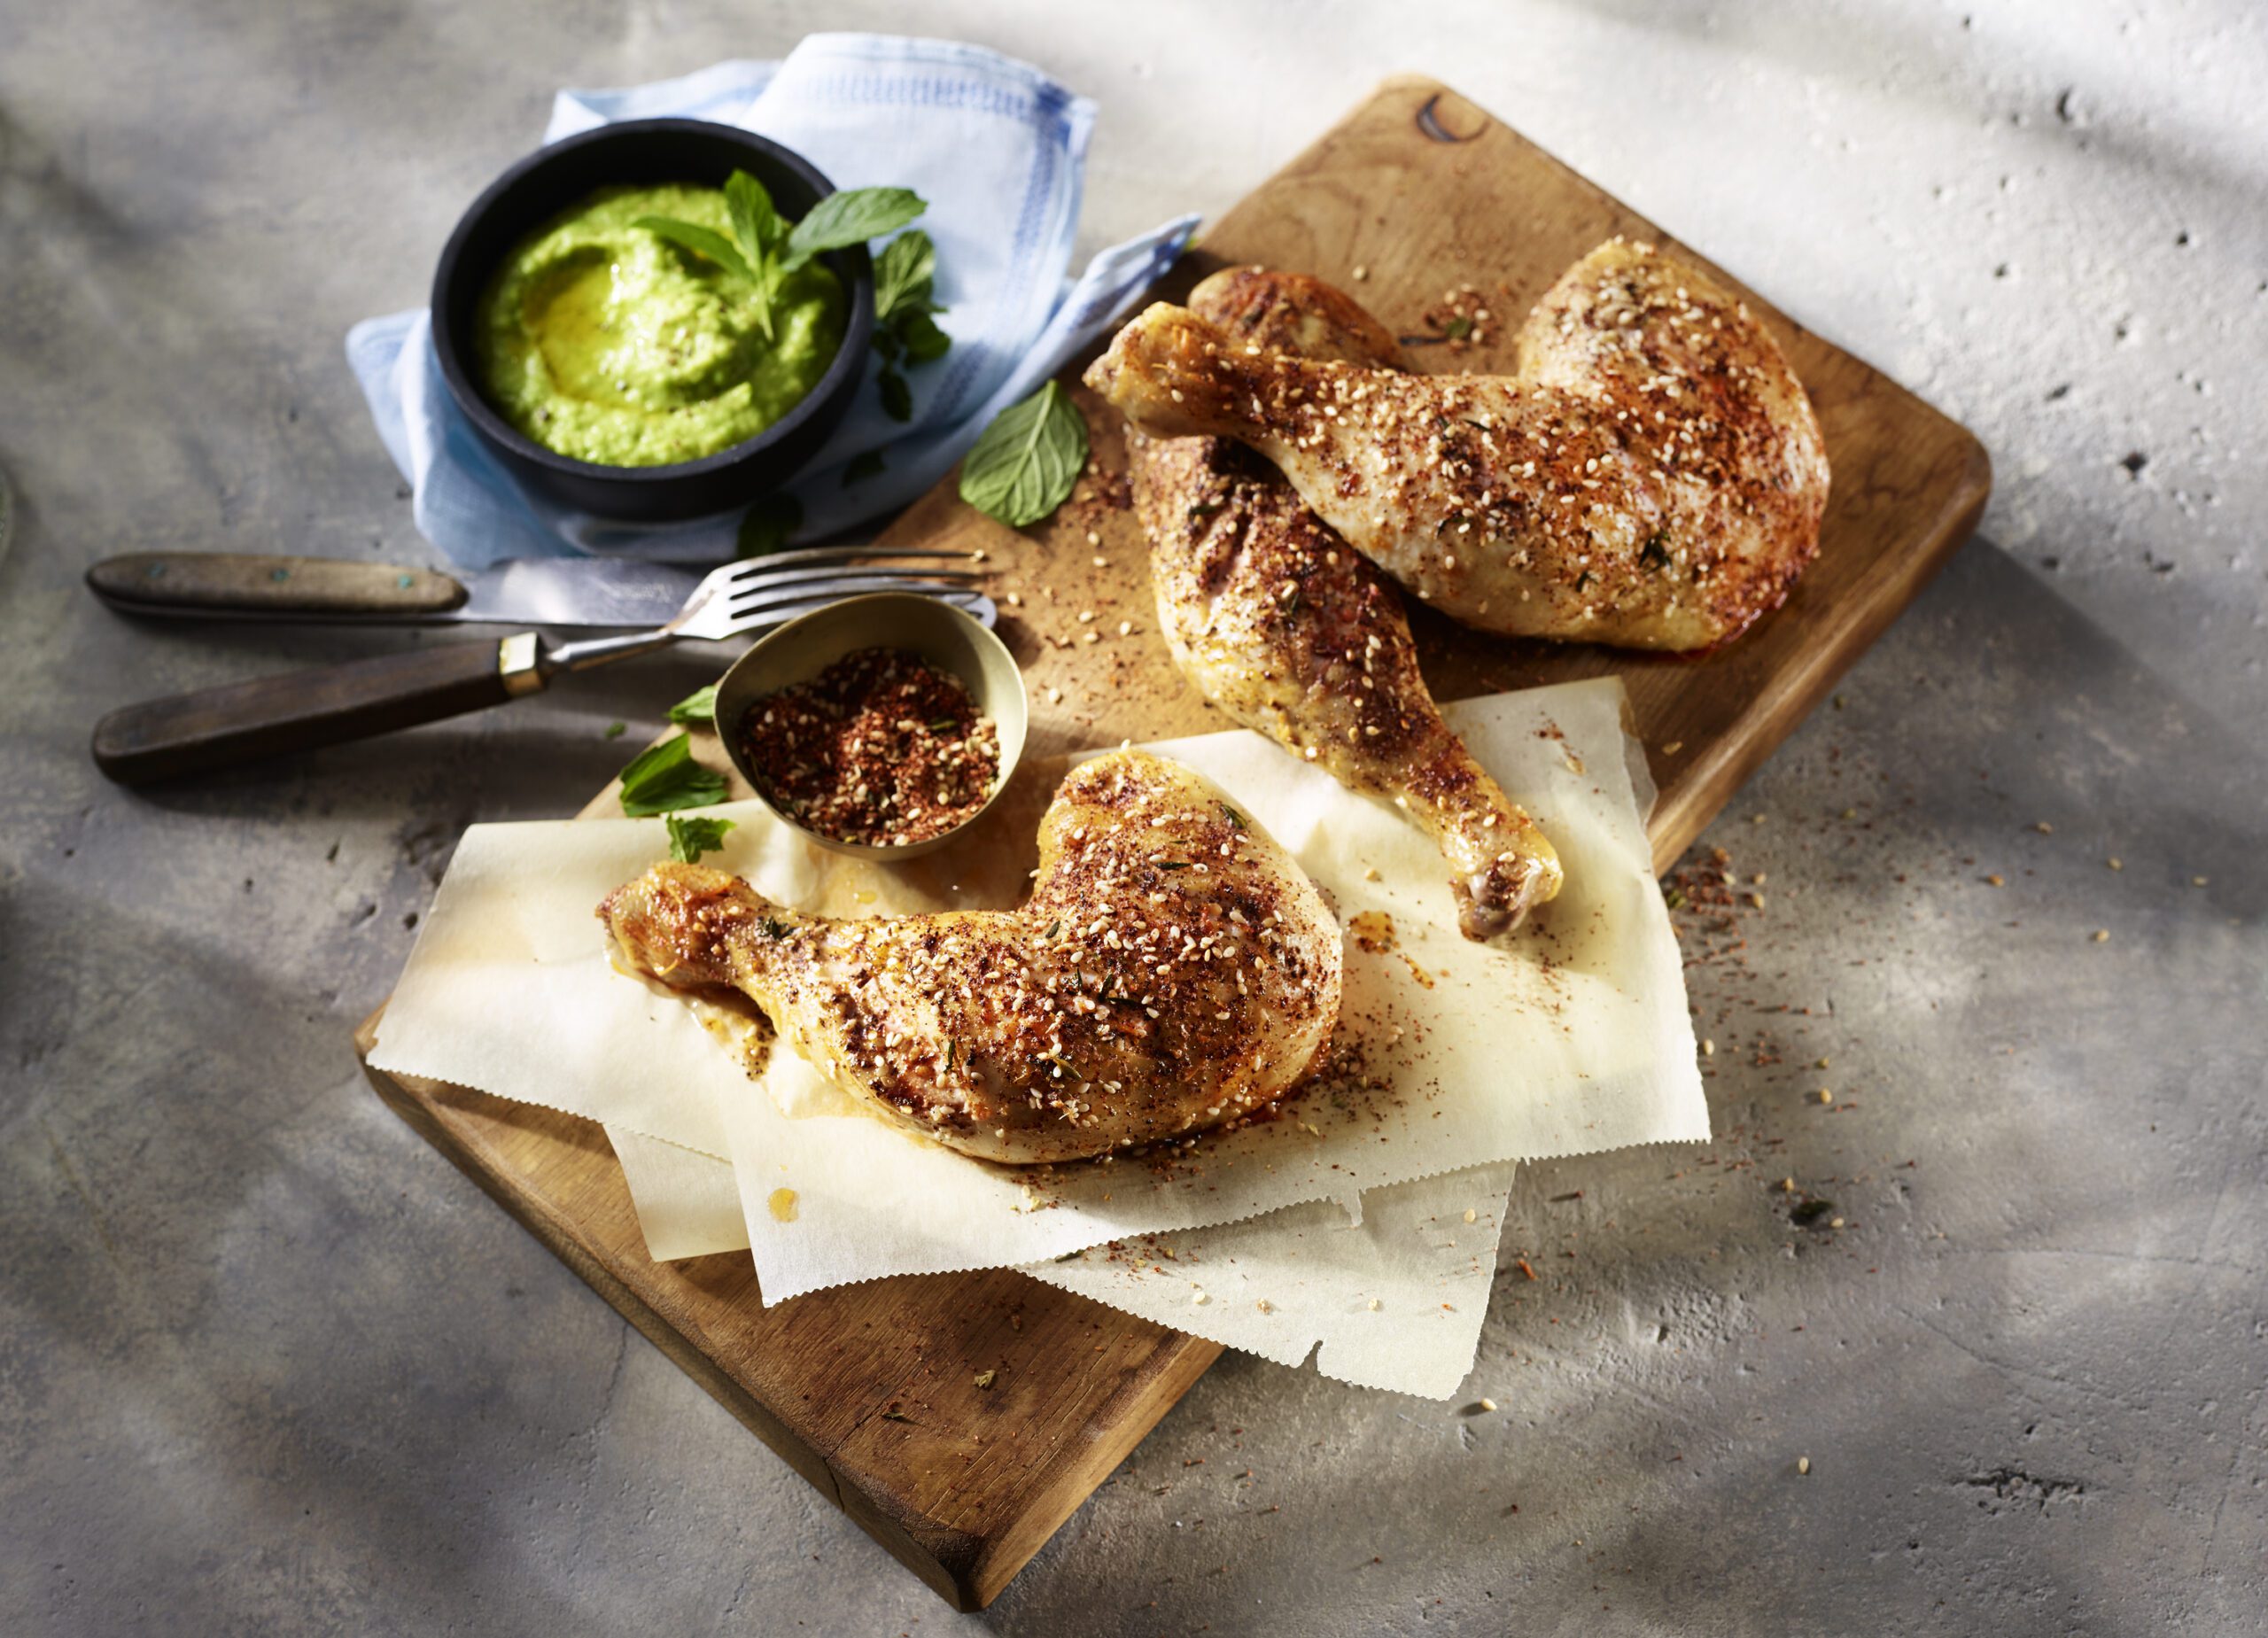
605,593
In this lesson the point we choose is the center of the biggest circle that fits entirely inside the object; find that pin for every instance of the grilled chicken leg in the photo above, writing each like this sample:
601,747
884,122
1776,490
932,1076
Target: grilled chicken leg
1173,968
1293,634
1653,477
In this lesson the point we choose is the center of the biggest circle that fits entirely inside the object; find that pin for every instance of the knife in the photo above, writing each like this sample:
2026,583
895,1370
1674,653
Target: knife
597,591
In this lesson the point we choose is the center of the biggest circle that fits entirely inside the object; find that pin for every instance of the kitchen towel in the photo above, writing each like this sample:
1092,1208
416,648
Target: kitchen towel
997,148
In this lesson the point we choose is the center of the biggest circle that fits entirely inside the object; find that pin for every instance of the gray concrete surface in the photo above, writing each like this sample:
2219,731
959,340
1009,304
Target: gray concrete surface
267,1364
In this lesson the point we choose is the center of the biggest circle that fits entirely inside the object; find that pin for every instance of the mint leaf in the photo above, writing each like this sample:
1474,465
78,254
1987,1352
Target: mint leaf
665,777
755,222
698,706
842,219
769,525
918,333
702,242
903,272
690,838
756,225
1025,464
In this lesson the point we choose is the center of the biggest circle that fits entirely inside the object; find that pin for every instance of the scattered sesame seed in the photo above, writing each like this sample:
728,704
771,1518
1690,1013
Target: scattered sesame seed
2102,936
1803,1464
1825,1096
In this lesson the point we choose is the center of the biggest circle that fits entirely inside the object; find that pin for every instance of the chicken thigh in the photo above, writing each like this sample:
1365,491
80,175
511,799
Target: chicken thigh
1653,477
1293,634
1173,968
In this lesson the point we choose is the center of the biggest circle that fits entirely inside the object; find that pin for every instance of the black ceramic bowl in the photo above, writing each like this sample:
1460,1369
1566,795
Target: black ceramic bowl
642,153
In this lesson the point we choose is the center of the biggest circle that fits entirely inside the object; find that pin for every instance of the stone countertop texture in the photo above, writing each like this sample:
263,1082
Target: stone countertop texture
268,1363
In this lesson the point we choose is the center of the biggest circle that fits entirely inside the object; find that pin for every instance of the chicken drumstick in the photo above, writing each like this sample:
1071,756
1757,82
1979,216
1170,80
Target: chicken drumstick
1173,968
1653,477
1296,634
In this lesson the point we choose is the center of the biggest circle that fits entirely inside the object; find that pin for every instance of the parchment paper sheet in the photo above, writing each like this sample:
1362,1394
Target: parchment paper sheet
1274,1285
1576,1039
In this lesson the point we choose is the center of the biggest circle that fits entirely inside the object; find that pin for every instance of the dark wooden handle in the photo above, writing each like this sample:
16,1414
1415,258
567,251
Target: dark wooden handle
216,582
271,715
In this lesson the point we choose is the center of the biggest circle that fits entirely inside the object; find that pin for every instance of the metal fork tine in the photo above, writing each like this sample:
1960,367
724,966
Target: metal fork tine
812,556
834,591
778,611
805,579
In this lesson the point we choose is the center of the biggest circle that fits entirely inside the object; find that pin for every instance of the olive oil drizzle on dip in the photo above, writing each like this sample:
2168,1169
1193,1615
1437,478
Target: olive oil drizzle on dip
880,748
603,341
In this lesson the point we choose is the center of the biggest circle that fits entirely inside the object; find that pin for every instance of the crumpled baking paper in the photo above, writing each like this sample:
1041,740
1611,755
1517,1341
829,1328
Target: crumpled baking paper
1394,1299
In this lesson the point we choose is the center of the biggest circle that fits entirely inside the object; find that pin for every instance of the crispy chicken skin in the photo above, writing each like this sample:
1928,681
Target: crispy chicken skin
1173,968
1653,477
1296,636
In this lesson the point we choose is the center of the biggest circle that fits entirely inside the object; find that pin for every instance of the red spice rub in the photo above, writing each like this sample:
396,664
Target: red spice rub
880,747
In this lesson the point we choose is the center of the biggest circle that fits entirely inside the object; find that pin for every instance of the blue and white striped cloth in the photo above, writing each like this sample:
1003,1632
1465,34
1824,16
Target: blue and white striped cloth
998,149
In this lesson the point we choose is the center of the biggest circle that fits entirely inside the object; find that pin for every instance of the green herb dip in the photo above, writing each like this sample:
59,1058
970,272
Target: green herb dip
605,342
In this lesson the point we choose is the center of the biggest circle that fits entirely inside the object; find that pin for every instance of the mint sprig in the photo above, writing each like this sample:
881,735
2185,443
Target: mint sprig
904,334
764,248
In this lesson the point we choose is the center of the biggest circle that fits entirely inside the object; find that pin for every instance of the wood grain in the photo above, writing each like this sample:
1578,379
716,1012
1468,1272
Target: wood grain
870,1391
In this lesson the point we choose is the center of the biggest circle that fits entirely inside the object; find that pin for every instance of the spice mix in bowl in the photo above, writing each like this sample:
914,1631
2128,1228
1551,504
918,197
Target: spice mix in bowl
881,725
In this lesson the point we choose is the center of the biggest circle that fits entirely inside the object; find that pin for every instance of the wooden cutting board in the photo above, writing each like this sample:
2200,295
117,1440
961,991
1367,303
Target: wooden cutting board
872,1391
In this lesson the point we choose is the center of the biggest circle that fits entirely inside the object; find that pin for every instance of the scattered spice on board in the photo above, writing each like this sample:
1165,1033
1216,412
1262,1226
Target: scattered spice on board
881,749
1461,318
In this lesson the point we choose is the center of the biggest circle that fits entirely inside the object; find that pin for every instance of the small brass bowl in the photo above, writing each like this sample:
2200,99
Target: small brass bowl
947,638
